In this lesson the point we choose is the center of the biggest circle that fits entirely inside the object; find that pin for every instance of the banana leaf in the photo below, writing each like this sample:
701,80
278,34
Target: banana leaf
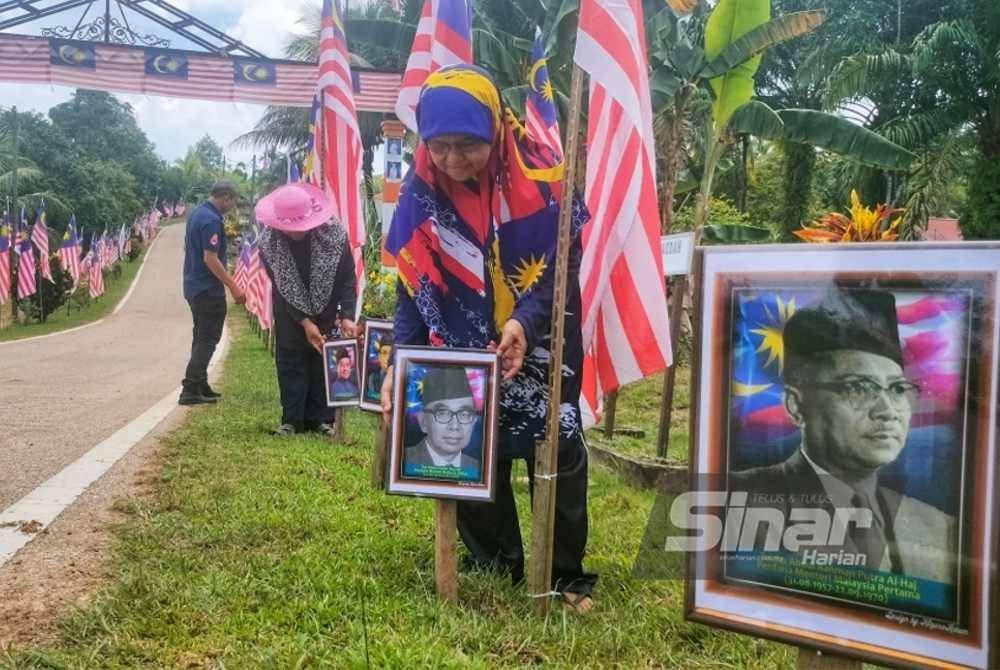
773,32
840,136
756,118
729,21
728,233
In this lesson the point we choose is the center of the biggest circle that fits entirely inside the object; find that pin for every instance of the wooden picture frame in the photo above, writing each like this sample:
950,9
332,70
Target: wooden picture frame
332,353
448,457
371,381
946,299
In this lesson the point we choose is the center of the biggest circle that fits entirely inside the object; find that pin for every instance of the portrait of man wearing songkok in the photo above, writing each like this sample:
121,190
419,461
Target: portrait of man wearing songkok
846,391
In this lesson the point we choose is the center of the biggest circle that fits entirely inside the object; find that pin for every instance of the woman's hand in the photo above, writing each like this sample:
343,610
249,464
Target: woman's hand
348,328
513,348
387,396
313,335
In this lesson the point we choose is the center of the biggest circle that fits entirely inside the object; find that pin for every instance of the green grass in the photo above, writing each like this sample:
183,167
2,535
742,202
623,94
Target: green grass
639,407
263,552
115,289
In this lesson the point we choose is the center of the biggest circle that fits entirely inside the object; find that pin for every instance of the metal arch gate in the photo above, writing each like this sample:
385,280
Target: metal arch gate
107,54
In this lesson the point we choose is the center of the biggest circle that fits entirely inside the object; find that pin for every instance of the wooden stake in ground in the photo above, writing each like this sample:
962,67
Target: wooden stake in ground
610,411
339,429
445,555
381,456
677,293
547,451
810,659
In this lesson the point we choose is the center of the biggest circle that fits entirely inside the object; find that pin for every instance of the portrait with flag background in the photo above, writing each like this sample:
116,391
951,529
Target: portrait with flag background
934,335
845,401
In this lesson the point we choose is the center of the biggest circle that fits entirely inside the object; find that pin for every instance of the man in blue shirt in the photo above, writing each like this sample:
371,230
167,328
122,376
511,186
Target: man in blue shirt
205,284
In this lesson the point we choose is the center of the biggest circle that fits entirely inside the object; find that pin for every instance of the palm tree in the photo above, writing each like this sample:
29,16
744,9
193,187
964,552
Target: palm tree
952,63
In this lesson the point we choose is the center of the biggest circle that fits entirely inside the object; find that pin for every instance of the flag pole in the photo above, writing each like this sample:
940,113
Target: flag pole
15,149
547,451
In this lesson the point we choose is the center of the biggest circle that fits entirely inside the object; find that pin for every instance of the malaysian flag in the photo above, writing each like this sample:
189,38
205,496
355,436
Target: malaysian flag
294,176
69,251
541,117
26,285
123,238
253,267
625,330
40,236
242,263
110,254
337,138
259,299
310,167
444,37
5,249
96,278
175,73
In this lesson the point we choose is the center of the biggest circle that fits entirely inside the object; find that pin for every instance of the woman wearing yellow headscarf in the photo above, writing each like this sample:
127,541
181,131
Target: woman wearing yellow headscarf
474,239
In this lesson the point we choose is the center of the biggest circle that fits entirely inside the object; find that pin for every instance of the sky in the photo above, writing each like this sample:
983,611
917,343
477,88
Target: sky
174,124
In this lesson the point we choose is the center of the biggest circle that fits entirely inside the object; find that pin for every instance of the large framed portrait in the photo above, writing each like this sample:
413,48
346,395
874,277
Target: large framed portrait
375,362
340,358
444,423
843,449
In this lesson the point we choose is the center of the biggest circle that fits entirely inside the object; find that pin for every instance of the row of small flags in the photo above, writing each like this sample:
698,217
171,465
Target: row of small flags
17,251
251,276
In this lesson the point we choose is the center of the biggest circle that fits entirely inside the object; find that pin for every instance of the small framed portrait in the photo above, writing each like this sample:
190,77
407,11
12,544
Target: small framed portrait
340,359
375,362
394,171
843,449
444,423
394,148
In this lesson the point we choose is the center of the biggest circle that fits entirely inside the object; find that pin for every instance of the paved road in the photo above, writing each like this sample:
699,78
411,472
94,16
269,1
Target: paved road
64,394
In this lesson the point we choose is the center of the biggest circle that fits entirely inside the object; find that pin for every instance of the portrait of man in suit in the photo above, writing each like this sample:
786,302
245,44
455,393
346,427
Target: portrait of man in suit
846,391
343,386
447,419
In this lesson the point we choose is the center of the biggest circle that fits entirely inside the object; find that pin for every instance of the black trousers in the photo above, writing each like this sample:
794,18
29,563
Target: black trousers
301,383
209,314
492,534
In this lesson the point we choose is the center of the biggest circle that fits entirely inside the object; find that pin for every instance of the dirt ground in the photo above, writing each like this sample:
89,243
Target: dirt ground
65,566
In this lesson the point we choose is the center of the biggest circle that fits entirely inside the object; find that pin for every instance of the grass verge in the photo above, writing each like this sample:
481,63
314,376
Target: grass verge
639,407
263,552
116,288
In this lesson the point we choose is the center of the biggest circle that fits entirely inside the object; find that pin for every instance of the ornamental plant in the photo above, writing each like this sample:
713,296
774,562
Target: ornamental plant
863,225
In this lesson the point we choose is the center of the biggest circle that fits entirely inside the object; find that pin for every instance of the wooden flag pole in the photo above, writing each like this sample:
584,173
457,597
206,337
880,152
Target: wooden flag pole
547,451
381,456
678,289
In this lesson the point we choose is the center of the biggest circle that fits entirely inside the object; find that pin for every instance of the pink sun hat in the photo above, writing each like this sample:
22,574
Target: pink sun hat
295,208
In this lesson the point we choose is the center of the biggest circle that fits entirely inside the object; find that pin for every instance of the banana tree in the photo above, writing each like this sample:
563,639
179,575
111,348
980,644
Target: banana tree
735,36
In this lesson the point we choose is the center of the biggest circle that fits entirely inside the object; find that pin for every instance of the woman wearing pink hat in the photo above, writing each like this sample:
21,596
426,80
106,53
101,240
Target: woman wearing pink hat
312,270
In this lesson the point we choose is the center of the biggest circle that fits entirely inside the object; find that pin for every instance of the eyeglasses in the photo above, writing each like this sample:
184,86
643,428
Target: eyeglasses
863,393
444,415
465,147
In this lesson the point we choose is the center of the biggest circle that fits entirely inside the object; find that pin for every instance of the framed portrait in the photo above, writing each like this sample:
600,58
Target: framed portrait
375,362
843,449
394,148
444,423
394,171
340,358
